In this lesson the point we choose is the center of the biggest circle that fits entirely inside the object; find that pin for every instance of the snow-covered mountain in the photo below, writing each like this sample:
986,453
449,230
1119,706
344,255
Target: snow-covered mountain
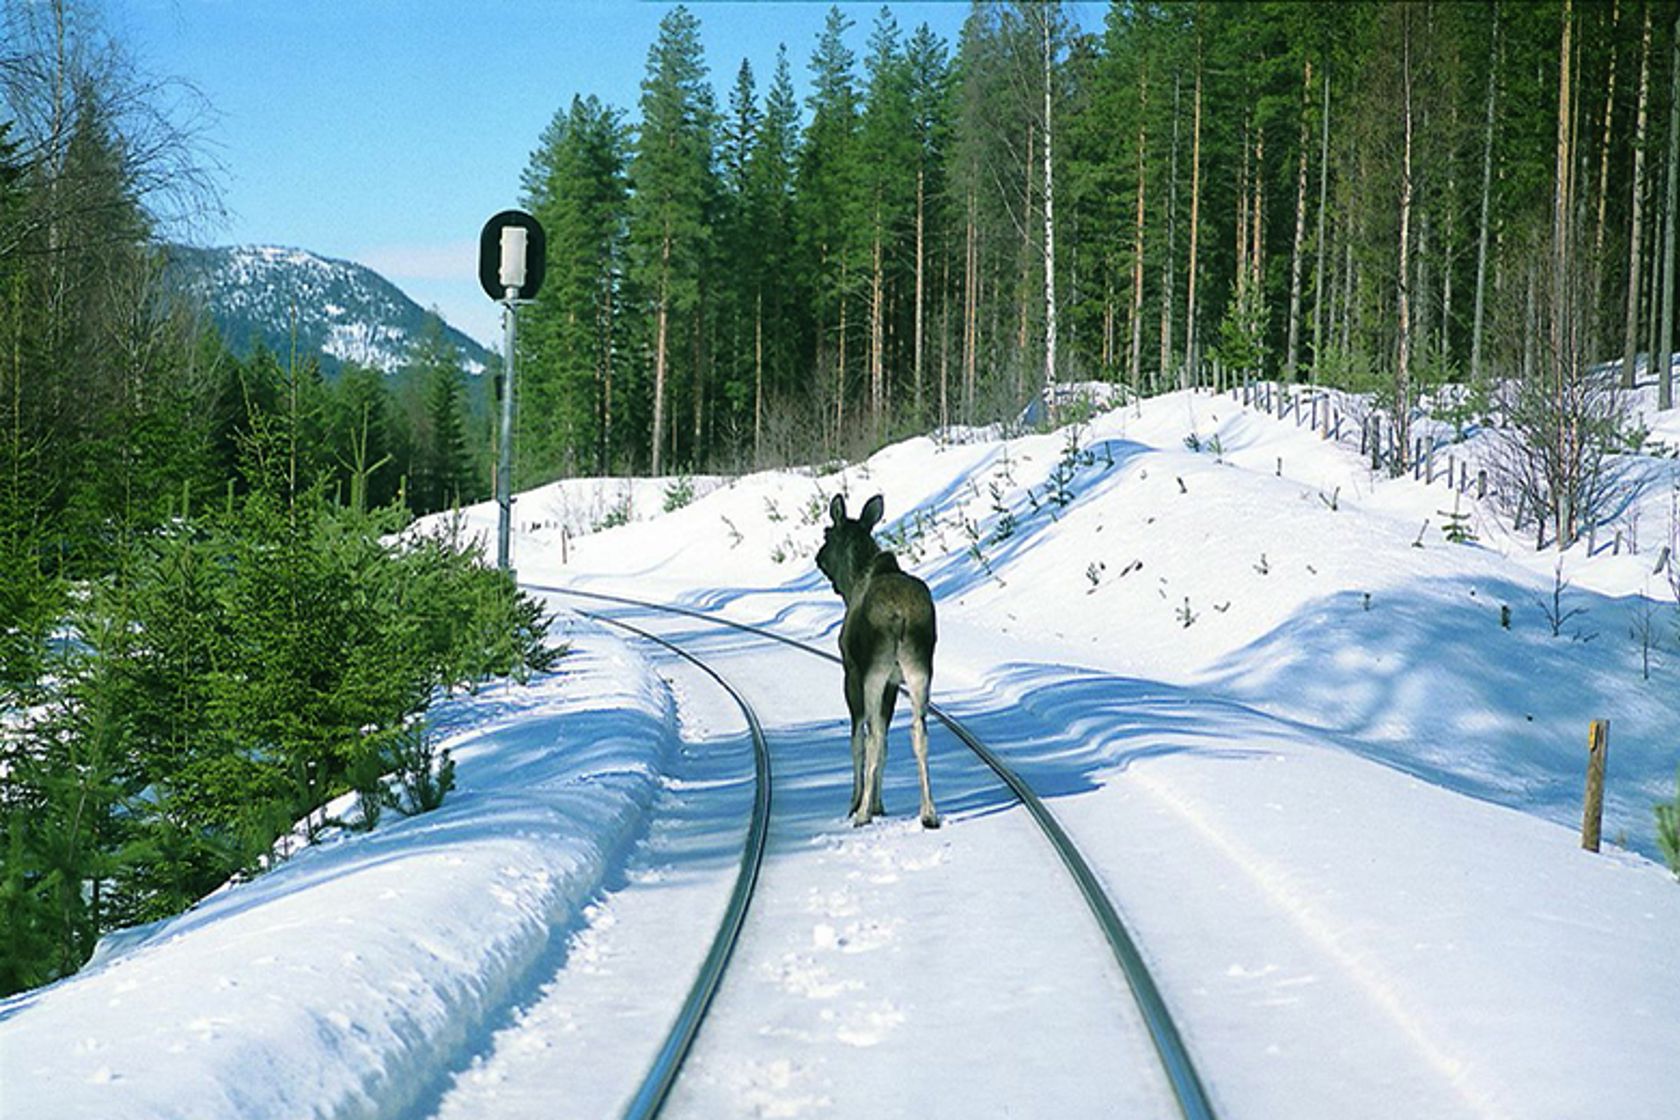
344,311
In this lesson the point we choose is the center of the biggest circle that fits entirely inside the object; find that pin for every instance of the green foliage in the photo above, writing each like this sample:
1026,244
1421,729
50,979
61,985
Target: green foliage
679,492
1668,830
1456,525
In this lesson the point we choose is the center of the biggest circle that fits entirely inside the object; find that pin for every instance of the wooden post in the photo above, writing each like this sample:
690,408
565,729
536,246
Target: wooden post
1592,817
1481,484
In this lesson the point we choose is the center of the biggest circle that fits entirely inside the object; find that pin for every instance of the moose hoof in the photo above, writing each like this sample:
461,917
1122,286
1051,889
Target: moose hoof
931,820
859,819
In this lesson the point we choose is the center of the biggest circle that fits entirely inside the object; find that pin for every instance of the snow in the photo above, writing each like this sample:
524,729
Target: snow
1336,800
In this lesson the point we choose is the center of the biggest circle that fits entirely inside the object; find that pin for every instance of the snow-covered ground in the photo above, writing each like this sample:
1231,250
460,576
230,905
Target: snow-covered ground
1334,796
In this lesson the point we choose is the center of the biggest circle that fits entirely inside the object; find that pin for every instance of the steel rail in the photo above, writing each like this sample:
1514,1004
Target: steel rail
1188,1090
656,1085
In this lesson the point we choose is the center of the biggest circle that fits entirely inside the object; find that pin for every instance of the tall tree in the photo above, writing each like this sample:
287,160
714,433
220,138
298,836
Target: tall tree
1630,339
1665,355
770,225
929,78
672,172
576,184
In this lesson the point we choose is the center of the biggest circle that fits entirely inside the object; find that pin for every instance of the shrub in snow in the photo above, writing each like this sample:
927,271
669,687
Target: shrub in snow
679,492
424,774
1457,525
1668,830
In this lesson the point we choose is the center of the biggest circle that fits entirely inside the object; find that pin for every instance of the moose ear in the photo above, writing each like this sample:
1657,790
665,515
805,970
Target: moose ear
872,510
837,509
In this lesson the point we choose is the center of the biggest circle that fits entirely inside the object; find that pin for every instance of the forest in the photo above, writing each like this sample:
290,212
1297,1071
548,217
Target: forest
1392,198
211,622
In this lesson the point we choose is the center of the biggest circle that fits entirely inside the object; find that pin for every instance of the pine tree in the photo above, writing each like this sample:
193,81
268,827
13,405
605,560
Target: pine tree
576,184
887,161
669,227
769,223
828,219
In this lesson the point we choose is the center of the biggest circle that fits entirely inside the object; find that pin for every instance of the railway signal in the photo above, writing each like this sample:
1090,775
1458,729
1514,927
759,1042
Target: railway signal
512,255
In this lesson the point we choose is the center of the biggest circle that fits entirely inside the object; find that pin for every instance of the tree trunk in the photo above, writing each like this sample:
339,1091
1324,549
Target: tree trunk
1321,252
1665,367
697,448
1292,353
1403,365
758,378
1256,221
661,337
1241,280
1049,231
1487,191
945,342
1172,238
1596,288
1559,327
1190,340
840,365
605,466
1135,366
877,324
1630,337
971,309
921,257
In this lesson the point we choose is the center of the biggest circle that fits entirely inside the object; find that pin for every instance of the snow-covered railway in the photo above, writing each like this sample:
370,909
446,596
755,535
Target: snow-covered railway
655,1087
1188,1095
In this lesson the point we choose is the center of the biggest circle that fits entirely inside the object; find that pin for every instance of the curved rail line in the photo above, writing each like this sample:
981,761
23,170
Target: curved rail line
662,1074
1181,1073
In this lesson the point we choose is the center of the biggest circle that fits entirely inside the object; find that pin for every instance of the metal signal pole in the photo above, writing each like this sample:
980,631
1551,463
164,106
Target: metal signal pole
511,259
504,469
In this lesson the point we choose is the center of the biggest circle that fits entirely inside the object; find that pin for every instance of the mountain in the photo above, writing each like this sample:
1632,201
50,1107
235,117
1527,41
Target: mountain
345,312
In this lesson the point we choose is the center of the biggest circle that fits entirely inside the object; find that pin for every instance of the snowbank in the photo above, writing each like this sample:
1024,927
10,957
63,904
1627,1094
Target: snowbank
340,984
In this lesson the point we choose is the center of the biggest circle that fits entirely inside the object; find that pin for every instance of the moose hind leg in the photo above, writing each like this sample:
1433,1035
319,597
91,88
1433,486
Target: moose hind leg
889,700
854,703
858,733
919,680
874,748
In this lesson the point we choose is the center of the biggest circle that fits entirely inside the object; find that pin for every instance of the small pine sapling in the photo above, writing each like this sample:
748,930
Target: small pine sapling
1668,830
1457,525
424,774
1093,572
678,493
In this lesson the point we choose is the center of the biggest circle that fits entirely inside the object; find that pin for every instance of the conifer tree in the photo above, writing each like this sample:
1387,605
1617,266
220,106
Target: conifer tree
670,228
828,221
576,184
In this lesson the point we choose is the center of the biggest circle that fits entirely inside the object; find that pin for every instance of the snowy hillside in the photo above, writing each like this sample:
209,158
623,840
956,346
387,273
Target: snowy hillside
1333,792
344,311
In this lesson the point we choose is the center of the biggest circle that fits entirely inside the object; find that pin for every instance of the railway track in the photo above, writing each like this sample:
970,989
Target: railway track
1188,1091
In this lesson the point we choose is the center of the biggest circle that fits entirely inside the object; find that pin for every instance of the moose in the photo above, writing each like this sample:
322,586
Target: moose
886,639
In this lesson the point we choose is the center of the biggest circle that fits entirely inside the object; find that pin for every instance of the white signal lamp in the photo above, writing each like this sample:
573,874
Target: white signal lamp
513,256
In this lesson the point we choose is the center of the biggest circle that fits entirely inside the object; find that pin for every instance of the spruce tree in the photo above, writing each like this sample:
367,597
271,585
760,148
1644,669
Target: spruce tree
576,184
669,222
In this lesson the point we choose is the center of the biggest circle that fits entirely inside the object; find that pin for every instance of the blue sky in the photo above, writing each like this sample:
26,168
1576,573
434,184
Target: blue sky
387,131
